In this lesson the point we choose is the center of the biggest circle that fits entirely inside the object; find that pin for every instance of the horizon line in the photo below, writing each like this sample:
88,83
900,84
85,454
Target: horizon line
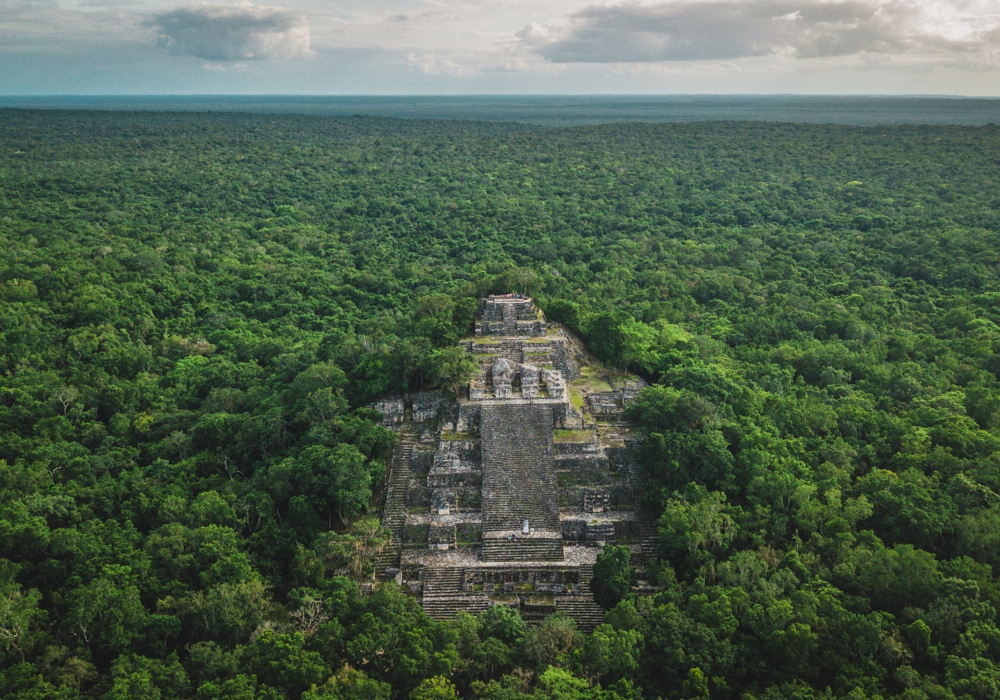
504,95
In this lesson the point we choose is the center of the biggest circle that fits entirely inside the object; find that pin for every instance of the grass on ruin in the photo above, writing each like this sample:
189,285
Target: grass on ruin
573,436
504,599
458,436
608,441
547,599
593,379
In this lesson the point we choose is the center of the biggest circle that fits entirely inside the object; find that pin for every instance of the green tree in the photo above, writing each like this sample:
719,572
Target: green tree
452,368
551,641
282,661
504,623
436,688
695,685
612,577
612,655
349,684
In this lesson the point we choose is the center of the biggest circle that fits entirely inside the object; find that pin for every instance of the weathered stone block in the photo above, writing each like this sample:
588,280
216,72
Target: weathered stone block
468,533
443,501
418,497
626,529
599,532
441,534
586,468
575,448
468,419
574,530
392,410
598,502
426,406
415,534
621,458
567,417
421,462
470,496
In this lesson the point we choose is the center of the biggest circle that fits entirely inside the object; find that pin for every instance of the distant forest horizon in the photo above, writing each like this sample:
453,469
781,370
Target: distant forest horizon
562,110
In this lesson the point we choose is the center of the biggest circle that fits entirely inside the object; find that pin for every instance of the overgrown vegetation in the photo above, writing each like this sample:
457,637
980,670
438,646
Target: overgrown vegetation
195,310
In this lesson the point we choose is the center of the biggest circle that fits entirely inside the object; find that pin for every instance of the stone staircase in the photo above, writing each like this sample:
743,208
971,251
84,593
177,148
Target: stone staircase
446,607
442,582
518,479
601,532
537,354
523,549
614,430
649,542
519,482
582,608
585,612
443,597
394,517
512,350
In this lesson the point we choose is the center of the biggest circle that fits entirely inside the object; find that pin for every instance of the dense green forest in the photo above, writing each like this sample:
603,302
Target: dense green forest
195,310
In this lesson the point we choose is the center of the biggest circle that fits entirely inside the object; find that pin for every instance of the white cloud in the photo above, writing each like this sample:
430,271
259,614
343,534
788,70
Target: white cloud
691,30
534,33
433,64
233,32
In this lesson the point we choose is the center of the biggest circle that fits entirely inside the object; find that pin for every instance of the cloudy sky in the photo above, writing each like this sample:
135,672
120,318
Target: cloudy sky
500,46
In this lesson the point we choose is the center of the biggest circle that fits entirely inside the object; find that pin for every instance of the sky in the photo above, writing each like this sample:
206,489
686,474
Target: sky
376,47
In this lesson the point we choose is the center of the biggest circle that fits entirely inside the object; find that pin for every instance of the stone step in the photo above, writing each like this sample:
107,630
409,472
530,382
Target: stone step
394,516
585,612
518,479
442,582
446,607
526,549
649,543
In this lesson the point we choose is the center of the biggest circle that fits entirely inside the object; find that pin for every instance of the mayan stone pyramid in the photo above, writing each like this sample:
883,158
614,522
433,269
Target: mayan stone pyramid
505,495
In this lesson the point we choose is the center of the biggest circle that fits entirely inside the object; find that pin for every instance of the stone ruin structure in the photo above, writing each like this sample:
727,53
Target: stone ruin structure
510,315
505,496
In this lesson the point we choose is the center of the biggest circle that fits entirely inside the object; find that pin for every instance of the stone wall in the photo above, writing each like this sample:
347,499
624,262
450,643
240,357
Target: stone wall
567,417
562,359
392,410
426,406
468,418
416,534
508,315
